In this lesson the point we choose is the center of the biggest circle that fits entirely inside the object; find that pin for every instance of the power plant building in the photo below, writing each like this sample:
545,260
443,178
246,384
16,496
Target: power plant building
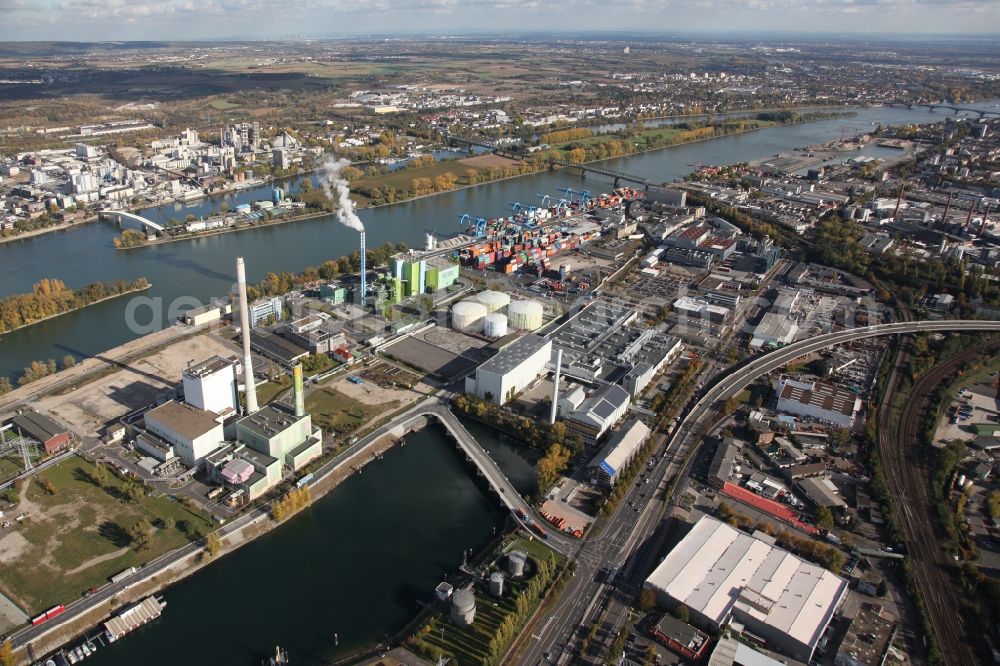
440,274
176,428
723,574
509,372
211,385
277,432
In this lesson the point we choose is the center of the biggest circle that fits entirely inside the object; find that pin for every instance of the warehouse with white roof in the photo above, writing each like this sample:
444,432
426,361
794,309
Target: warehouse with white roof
722,573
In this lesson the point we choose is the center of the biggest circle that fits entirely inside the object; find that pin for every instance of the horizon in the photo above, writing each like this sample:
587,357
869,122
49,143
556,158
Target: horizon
84,21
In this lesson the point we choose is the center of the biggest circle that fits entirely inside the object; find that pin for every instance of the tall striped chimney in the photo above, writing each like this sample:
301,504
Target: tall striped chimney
250,389
364,270
300,398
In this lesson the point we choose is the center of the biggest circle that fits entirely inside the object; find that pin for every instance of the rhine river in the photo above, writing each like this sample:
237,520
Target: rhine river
194,271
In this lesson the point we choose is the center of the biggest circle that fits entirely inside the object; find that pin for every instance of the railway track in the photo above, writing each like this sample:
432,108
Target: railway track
908,479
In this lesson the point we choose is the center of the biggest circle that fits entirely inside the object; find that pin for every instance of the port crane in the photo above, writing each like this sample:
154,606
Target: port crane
570,192
478,223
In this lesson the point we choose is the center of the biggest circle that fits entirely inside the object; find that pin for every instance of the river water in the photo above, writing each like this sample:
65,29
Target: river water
193,271
356,564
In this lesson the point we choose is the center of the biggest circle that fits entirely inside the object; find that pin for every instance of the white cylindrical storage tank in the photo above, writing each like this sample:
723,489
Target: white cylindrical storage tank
515,563
496,584
495,325
463,607
961,481
493,300
525,315
467,316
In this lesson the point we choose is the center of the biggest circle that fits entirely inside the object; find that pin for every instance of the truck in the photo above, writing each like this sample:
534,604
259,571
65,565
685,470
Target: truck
122,575
538,530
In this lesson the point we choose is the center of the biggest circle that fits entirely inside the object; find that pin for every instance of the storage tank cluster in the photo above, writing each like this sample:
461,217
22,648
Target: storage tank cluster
463,607
468,316
525,315
495,301
495,325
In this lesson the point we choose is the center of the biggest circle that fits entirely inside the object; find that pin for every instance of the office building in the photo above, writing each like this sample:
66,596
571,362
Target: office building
262,310
509,372
618,453
723,574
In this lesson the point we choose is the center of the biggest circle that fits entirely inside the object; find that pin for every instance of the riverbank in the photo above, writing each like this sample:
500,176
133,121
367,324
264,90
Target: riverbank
227,230
47,230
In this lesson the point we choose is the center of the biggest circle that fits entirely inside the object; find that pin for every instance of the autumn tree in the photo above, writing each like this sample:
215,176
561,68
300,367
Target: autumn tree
68,361
139,533
212,544
7,657
5,386
577,155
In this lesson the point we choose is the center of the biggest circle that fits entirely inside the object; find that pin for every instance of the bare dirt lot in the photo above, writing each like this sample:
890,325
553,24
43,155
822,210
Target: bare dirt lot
86,410
490,161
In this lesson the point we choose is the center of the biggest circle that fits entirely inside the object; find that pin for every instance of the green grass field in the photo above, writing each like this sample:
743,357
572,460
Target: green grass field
333,410
268,391
77,537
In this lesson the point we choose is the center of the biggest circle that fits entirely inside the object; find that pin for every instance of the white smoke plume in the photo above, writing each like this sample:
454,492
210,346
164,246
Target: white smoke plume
338,189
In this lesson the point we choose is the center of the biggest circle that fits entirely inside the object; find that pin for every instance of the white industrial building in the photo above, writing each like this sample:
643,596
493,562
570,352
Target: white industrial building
509,372
818,400
774,329
618,453
211,386
190,432
599,412
721,573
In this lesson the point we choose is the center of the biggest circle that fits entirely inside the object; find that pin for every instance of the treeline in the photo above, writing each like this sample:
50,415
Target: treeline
277,284
50,297
130,238
294,501
561,136
817,551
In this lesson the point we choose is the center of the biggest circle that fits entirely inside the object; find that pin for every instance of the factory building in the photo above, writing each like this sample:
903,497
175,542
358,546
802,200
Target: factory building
723,574
211,386
241,468
181,430
412,274
818,400
509,372
774,330
43,430
314,334
333,293
599,412
618,453
700,309
277,432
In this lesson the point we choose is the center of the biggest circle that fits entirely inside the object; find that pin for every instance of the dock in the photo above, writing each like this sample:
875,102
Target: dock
133,617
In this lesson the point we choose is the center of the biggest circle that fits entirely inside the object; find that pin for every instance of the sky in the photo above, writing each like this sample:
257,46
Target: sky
120,20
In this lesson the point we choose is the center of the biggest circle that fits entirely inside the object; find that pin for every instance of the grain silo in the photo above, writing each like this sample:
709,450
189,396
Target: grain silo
496,584
463,607
515,563
495,325
495,301
468,316
525,315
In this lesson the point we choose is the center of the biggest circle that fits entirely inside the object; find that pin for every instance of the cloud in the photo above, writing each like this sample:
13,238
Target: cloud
187,19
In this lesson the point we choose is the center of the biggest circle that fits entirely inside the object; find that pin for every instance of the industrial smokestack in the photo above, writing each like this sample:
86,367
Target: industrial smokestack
250,389
555,388
300,397
968,218
899,199
364,270
947,207
982,225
